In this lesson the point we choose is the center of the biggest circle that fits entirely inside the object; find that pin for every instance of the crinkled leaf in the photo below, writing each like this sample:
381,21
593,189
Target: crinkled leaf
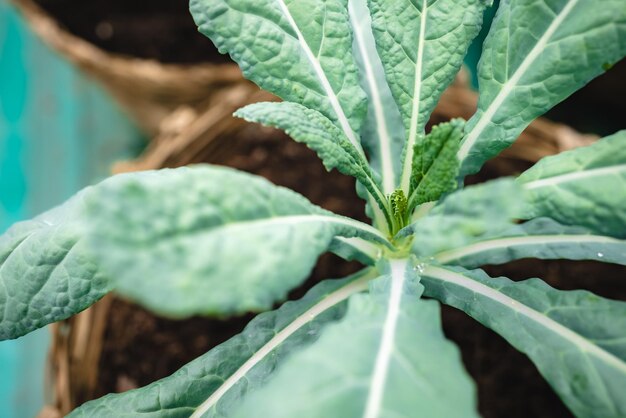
46,274
215,383
209,240
576,339
422,44
537,53
382,133
387,357
435,166
318,133
465,217
541,238
299,50
585,186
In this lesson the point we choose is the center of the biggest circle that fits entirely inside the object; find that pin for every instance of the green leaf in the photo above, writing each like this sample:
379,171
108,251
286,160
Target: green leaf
46,274
541,238
382,133
585,186
209,240
576,339
537,53
386,358
300,50
422,44
318,133
399,206
435,166
465,217
215,383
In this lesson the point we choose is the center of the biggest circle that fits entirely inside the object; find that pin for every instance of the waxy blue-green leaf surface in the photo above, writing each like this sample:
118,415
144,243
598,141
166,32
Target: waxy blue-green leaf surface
585,186
300,50
537,53
465,217
541,238
209,240
213,385
46,274
422,44
387,358
382,132
318,133
576,339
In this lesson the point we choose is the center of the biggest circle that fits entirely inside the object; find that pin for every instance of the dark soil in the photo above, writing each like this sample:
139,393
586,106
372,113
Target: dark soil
598,108
157,29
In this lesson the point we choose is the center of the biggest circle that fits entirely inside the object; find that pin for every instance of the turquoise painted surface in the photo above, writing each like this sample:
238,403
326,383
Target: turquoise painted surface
58,133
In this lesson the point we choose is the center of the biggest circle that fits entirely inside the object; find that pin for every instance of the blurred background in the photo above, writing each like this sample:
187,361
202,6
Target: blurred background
90,88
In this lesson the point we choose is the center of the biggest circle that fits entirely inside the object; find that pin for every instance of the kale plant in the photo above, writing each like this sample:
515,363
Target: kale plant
360,79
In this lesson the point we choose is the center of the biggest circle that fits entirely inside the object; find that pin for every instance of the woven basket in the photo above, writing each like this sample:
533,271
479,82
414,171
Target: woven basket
148,90
186,110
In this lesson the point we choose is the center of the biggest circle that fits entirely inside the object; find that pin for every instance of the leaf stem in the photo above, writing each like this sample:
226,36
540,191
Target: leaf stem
511,243
385,351
382,129
407,167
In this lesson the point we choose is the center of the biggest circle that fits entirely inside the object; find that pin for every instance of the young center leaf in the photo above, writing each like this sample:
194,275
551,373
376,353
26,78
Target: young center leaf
541,238
435,166
387,357
46,273
576,339
537,53
214,384
300,50
209,240
585,186
422,44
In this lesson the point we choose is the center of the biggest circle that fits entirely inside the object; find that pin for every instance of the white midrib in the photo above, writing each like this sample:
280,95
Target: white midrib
384,137
407,165
381,367
365,247
563,178
319,71
505,243
334,102
511,83
328,302
299,219
585,345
